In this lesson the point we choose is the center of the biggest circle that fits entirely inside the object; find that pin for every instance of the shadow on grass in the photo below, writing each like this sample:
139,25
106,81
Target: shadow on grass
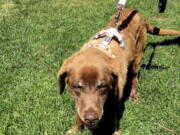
149,66
170,42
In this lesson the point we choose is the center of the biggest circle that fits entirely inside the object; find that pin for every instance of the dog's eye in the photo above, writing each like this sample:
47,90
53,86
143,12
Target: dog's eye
77,89
102,86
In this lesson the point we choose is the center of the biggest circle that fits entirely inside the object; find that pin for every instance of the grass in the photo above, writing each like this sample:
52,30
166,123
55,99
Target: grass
37,35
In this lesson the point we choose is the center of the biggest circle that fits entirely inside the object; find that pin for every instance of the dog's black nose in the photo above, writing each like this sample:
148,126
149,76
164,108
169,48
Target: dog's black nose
91,116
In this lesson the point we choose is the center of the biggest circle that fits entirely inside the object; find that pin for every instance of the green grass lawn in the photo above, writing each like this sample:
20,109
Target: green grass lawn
37,35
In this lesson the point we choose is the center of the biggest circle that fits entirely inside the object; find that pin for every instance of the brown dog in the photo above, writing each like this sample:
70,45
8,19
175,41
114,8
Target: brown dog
96,76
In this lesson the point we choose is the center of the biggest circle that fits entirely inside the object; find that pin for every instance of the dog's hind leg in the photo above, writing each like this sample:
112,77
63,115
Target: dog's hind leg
137,63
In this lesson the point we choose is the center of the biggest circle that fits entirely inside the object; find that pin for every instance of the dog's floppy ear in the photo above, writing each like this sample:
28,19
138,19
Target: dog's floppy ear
63,75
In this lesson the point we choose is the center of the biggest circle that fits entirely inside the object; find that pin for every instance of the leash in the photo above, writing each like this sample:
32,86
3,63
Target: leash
120,7
111,32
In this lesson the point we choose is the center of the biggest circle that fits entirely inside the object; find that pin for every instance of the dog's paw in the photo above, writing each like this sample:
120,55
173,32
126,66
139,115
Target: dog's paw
72,131
116,133
133,97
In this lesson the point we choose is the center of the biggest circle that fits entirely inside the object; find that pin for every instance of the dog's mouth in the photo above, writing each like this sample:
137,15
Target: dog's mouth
91,125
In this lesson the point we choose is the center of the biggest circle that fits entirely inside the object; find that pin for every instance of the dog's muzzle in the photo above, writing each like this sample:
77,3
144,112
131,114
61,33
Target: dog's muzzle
91,119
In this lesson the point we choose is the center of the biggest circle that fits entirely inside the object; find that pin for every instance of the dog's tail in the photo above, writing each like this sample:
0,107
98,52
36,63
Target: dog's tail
158,31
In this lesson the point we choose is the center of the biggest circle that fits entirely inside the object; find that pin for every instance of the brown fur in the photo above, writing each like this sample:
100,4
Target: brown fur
96,80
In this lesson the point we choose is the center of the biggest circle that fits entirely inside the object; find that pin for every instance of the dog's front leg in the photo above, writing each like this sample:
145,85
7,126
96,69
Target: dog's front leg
118,115
77,127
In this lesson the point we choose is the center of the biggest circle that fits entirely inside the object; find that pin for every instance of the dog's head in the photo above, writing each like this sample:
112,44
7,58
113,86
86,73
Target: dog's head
90,84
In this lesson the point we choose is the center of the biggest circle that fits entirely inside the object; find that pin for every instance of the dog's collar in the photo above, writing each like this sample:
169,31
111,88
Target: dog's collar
104,49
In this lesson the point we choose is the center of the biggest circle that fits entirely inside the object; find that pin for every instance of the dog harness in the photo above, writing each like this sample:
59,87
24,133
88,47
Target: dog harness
110,33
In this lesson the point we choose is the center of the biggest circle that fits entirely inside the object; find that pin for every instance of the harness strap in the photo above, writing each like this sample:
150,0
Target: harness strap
110,33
